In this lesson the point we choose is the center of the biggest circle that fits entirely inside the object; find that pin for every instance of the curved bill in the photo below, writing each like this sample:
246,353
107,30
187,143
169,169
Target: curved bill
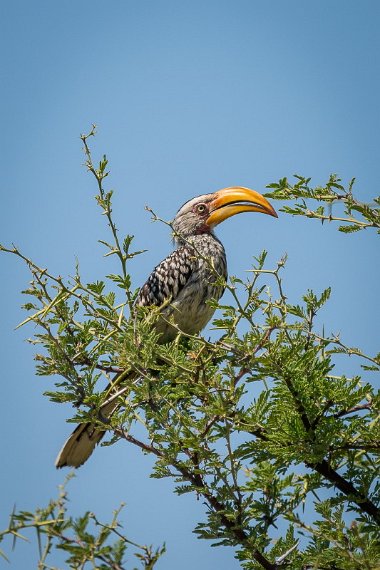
236,200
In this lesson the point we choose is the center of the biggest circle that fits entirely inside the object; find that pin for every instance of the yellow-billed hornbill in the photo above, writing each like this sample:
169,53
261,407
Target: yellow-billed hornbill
182,284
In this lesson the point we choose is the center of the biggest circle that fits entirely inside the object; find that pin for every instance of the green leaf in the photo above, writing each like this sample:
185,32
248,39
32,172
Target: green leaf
350,228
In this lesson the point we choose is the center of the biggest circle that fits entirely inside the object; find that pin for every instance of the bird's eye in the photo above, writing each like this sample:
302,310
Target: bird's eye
201,208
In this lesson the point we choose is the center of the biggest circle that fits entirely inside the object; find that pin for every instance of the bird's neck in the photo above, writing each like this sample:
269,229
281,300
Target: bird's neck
196,239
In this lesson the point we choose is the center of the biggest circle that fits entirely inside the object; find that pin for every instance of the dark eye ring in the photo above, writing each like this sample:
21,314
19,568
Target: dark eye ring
201,208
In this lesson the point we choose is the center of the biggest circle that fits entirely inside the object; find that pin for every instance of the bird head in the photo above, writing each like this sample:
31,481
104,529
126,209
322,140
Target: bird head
200,215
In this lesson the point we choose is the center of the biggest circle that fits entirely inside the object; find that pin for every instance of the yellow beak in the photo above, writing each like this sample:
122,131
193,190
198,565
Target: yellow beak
235,200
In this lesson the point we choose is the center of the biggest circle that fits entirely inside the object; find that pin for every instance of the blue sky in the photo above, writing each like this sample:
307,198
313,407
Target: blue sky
188,98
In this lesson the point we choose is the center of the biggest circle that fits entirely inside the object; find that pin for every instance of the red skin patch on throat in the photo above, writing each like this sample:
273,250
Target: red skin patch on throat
203,229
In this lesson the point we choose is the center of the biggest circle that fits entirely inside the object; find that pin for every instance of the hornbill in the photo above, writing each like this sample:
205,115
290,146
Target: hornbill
181,285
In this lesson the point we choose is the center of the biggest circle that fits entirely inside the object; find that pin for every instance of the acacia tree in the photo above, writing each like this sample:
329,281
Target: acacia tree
256,423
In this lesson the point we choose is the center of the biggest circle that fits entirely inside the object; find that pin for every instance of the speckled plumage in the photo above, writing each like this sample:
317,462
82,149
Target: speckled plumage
183,283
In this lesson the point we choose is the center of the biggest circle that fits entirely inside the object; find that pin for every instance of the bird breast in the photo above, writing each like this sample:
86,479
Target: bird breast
186,280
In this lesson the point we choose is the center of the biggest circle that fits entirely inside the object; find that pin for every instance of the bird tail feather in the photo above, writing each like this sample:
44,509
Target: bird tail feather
85,437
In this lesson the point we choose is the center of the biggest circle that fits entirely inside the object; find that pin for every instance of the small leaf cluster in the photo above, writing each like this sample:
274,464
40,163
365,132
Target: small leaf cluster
84,541
332,194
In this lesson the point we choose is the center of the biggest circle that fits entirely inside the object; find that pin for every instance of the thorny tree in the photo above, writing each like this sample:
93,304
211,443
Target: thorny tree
259,423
